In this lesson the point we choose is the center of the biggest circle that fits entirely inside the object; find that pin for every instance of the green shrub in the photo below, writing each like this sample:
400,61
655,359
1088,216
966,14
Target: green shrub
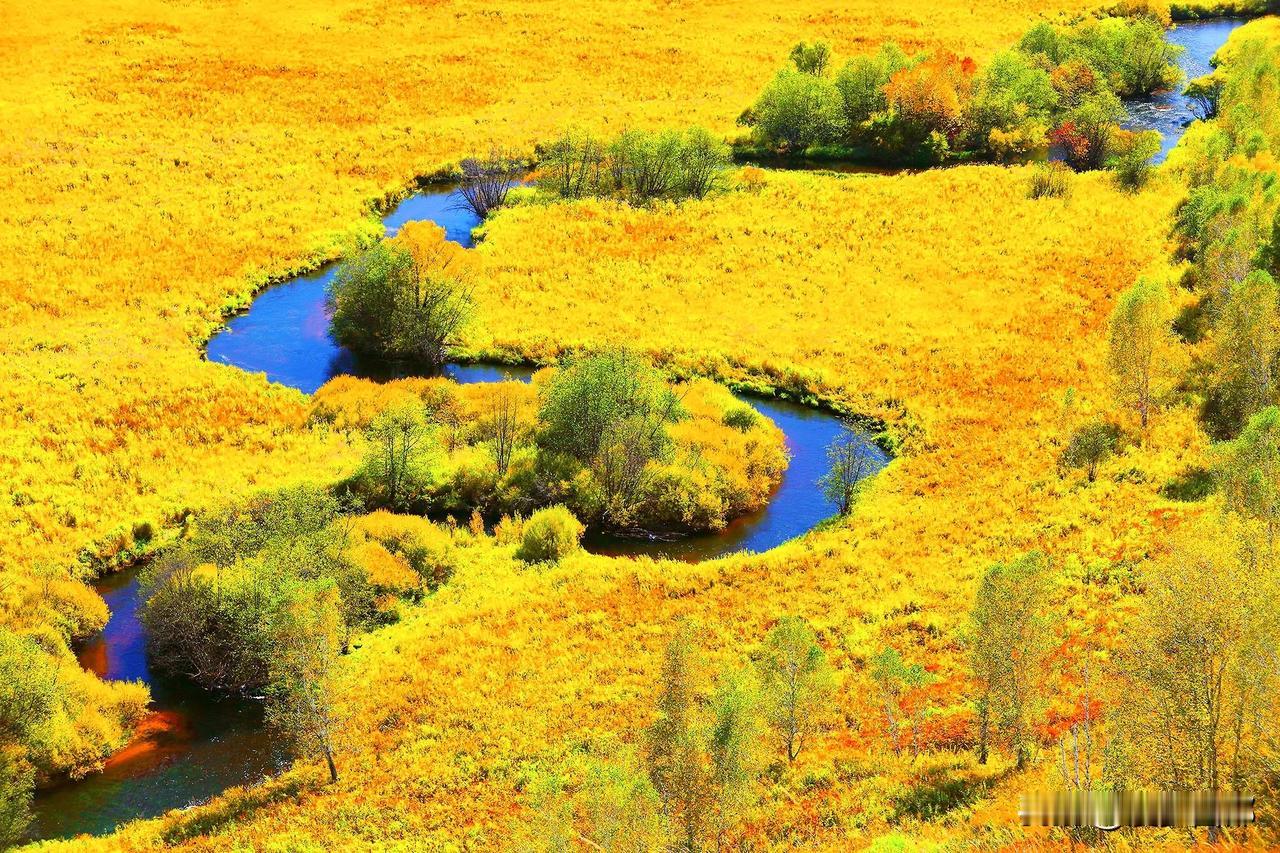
742,418
1130,158
1091,445
797,110
549,536
1087,131
811,58
1049,180
386,304
214,601
637,166
143,532
587,404
433,561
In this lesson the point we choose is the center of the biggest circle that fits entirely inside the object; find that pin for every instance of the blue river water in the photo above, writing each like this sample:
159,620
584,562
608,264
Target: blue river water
1170,112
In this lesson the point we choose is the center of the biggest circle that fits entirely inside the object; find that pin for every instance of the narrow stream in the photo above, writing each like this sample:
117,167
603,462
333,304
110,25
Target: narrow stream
1170,112
191,748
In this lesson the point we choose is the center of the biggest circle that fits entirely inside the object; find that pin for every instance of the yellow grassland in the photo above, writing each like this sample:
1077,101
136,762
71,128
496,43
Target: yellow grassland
164,160
945,295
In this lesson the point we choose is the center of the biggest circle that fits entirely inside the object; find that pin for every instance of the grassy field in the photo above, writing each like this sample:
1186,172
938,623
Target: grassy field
164,161
966,342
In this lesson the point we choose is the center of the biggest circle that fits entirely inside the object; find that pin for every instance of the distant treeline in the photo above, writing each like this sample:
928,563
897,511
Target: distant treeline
1060,85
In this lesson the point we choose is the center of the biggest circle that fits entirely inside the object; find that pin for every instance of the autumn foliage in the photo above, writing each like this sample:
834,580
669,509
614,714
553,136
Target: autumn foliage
168,162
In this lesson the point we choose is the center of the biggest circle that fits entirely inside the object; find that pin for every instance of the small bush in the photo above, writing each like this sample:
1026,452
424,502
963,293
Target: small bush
1130,158
1090,446
1049,180
487,181
549,536
143,532
742,419
636,166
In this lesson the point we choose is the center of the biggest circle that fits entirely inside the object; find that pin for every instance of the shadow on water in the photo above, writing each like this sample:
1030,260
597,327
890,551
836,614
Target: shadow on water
189,748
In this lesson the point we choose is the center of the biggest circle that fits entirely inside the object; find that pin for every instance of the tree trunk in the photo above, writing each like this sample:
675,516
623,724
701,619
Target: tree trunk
333,768
984,730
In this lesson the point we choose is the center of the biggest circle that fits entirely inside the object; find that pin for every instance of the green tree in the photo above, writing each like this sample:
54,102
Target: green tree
550,535
212,602
28,698
1205,95
796,683
1047,42
638,166
396,462
609,412
302,687
1141,343
1129,157
645,166
811,59
850,462
1014,98
1086,133
622,810
1090,446
1198,669
210,624
17,783
403,300
732,752
675,757
797,111
861,83
1247,341
1249,471
1268,258
574,166
703,163
1007,644
899,684
1148,59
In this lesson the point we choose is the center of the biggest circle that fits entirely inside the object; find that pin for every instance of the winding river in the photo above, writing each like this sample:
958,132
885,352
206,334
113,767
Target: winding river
191,747
1170,112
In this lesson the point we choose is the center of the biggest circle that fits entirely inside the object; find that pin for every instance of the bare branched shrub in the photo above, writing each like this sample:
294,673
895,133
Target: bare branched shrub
486,182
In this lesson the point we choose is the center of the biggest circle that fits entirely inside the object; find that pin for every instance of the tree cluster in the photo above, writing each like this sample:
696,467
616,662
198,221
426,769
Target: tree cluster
606,435
707,748
1229,230
403,299
636,166
1062,84
259,601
